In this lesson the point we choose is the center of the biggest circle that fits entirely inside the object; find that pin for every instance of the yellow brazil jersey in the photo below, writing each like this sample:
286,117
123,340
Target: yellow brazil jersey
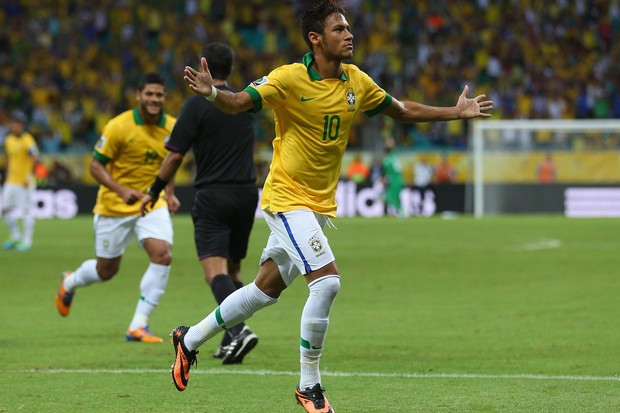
21,152
133,152
312,117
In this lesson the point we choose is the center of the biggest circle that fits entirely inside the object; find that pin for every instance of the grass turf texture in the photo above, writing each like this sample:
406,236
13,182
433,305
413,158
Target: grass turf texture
511,314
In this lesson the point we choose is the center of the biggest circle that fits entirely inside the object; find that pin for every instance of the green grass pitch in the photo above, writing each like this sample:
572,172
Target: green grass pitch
510,314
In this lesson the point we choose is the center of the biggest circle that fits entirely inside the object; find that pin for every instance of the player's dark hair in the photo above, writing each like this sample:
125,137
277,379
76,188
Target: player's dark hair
313,19
220,58
18,116
149,78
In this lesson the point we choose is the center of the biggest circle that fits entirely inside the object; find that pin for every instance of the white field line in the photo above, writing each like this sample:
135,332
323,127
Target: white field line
328,373
544,244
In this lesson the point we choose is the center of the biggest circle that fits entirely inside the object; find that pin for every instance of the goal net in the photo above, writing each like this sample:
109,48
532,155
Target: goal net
569,167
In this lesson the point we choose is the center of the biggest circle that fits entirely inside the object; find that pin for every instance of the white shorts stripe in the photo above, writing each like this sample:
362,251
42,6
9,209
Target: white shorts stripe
292,237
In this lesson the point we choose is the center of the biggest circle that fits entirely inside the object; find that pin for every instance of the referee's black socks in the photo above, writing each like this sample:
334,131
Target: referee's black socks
223,286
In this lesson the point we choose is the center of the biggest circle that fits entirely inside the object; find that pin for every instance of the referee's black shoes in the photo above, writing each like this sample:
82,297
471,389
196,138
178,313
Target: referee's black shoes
240,346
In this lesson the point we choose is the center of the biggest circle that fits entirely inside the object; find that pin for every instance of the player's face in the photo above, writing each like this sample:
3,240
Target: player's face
336,40
16,127
151,100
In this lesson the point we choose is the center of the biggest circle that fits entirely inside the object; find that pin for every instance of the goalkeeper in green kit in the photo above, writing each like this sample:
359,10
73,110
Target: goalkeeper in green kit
392,178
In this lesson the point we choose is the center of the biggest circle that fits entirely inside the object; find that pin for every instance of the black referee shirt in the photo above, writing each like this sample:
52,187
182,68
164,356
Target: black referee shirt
223,144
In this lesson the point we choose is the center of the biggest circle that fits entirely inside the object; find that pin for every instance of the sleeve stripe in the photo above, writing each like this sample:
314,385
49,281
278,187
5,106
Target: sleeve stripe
386,102
101,158
172,148
256,99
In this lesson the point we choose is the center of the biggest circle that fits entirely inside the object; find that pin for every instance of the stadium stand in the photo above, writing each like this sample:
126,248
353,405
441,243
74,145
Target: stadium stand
70,64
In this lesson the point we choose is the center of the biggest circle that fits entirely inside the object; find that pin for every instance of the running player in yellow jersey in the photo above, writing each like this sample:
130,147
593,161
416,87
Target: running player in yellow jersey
127,155
19,186
314,103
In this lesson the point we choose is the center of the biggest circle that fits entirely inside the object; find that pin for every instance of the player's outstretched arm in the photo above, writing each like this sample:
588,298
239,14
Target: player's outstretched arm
465,108
202,83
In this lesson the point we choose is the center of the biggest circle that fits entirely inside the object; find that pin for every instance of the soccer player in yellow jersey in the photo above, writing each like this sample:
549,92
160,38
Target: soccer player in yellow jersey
314,103
19,186
127,155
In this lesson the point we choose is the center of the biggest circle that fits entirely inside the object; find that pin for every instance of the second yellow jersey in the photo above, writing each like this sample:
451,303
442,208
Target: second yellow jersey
21,152
313,117
133,152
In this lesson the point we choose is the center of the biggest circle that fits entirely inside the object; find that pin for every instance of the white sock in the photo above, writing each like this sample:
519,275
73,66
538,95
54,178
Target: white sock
85,275
237,307
314,323
152,287
11,222
28,224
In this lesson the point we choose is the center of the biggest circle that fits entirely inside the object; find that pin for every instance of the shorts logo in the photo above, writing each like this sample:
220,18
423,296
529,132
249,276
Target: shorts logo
315,244
106,244
260,81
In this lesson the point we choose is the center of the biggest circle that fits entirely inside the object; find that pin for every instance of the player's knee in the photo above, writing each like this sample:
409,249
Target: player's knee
166,259
107,270
159,251
162,257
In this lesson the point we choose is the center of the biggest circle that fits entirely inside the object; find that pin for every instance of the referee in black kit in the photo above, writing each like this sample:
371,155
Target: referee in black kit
226,192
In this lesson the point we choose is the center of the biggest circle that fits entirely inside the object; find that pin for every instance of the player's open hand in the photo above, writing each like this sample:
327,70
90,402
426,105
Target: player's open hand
473,108
200,82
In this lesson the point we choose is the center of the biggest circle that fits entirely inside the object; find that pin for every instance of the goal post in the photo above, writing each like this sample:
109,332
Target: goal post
510,159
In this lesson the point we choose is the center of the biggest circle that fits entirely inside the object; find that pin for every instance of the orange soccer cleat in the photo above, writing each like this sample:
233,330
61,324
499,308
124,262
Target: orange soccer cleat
64,297
142,334
183,360
313,399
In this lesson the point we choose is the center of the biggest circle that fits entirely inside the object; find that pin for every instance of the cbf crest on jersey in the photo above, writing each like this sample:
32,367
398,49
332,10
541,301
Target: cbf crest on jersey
315,244
350,97
260,81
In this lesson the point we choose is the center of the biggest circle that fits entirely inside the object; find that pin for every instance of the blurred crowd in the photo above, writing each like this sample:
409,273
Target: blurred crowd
70,65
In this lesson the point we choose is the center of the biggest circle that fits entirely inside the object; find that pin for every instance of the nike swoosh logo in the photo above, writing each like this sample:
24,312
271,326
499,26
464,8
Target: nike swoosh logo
303,99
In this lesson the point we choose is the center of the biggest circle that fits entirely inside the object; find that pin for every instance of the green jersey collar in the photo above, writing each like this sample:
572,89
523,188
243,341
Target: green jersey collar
314,75
140,121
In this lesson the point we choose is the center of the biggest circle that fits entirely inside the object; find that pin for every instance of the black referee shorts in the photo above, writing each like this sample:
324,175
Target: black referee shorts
223,219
